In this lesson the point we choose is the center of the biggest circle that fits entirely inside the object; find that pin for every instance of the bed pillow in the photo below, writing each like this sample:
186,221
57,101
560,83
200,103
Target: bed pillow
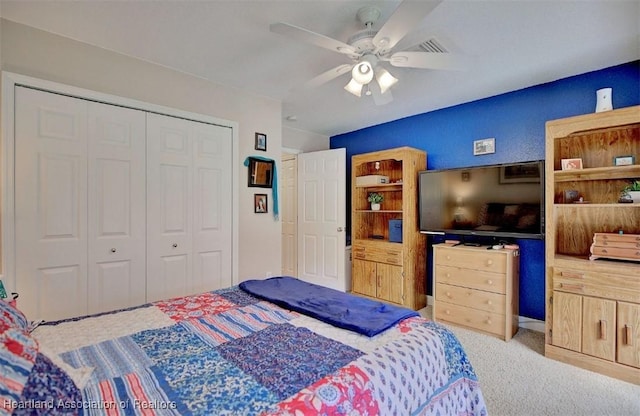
11,317
18,352
29,380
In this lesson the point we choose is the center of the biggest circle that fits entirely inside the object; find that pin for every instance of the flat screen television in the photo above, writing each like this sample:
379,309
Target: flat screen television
501,201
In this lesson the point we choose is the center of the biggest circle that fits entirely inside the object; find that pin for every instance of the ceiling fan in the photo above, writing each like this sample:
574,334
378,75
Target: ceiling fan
370,49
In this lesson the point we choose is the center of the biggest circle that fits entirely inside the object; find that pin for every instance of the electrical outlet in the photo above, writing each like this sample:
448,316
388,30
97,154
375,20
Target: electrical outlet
269,274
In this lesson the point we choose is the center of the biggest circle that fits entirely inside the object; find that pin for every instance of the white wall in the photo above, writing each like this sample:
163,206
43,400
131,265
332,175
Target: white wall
28,51
303,141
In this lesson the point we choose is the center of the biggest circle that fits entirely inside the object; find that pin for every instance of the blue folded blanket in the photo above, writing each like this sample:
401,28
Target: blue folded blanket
340,309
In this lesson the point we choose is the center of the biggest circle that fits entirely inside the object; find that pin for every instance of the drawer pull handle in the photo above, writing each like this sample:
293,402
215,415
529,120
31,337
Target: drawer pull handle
628,340
488,321
603,329
392,253
572,275
448,257
447,312
448,294
571,287
448,274
489,262
489,282
489,303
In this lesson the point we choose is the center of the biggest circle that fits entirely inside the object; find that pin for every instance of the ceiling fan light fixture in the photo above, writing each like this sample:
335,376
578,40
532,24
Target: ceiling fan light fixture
385,79
354,87
362,72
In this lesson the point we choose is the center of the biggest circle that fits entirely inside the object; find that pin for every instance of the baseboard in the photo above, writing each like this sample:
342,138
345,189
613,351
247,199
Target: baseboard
523,321
530,323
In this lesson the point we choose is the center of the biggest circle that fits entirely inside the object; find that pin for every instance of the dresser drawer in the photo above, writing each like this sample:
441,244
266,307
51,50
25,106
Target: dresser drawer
378,254
484,321
599,284
492,282
476,299
481,260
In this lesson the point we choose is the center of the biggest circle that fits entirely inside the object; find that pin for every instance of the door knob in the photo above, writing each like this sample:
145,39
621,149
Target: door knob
339,229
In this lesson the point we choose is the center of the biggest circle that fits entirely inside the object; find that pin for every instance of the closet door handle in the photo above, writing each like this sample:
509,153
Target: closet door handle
628,335
113,250
175,245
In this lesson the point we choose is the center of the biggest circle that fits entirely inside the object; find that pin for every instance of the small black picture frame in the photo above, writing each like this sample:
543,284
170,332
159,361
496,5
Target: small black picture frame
260,203
261,142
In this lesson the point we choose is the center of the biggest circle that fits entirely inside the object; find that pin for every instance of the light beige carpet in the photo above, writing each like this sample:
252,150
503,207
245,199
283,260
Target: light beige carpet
518,380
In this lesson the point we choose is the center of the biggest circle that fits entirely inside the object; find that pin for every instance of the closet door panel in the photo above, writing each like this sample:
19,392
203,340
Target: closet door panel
212,207
117,211
50,204
169,198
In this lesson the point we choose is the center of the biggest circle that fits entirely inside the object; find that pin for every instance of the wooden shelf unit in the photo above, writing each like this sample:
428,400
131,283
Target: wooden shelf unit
390,271
592,306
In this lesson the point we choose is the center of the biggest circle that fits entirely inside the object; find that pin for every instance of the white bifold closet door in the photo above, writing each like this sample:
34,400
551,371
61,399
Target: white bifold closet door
189,207
79,205
115,207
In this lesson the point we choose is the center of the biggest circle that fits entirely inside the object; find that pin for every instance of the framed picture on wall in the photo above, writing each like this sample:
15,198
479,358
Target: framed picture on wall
260,205
261,142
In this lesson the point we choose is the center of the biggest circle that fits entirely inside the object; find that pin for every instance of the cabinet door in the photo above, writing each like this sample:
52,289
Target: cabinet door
364,277
629,334
567,320
598,328
390,282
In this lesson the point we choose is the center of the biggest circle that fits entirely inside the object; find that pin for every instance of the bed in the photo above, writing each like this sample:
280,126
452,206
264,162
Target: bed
233,352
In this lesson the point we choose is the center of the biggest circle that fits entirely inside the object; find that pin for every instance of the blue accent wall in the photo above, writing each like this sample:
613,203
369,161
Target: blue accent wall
517,121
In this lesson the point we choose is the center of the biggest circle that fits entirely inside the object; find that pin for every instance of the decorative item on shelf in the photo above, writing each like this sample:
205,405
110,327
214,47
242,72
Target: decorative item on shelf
618,246
570,196
571,164
603,100
624,160
631,192
376,199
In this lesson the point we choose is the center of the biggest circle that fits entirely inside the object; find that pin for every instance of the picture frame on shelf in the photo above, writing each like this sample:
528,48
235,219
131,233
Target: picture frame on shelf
261,142
624,160
571,164
260,204
569,196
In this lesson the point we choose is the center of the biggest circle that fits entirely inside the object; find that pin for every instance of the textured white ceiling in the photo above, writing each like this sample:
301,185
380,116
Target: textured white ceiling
514,44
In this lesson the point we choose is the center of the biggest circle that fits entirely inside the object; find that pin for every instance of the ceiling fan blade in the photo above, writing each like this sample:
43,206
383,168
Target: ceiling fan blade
408,14
328,76
430,60
317,39
378,97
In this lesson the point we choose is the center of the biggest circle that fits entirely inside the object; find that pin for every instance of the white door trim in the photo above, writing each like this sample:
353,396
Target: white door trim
7,148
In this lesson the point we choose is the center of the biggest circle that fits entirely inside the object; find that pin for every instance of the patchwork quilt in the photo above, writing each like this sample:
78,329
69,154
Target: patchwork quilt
227,352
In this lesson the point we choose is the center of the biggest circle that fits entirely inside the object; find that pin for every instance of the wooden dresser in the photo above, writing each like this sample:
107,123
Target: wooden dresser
477,288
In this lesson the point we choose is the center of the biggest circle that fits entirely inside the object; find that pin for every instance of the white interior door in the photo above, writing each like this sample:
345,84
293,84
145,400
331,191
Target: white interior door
50,204
117,205
188,220
289,215
322,218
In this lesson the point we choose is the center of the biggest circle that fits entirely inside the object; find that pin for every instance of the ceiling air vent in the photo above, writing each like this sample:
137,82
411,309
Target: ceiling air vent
432,45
